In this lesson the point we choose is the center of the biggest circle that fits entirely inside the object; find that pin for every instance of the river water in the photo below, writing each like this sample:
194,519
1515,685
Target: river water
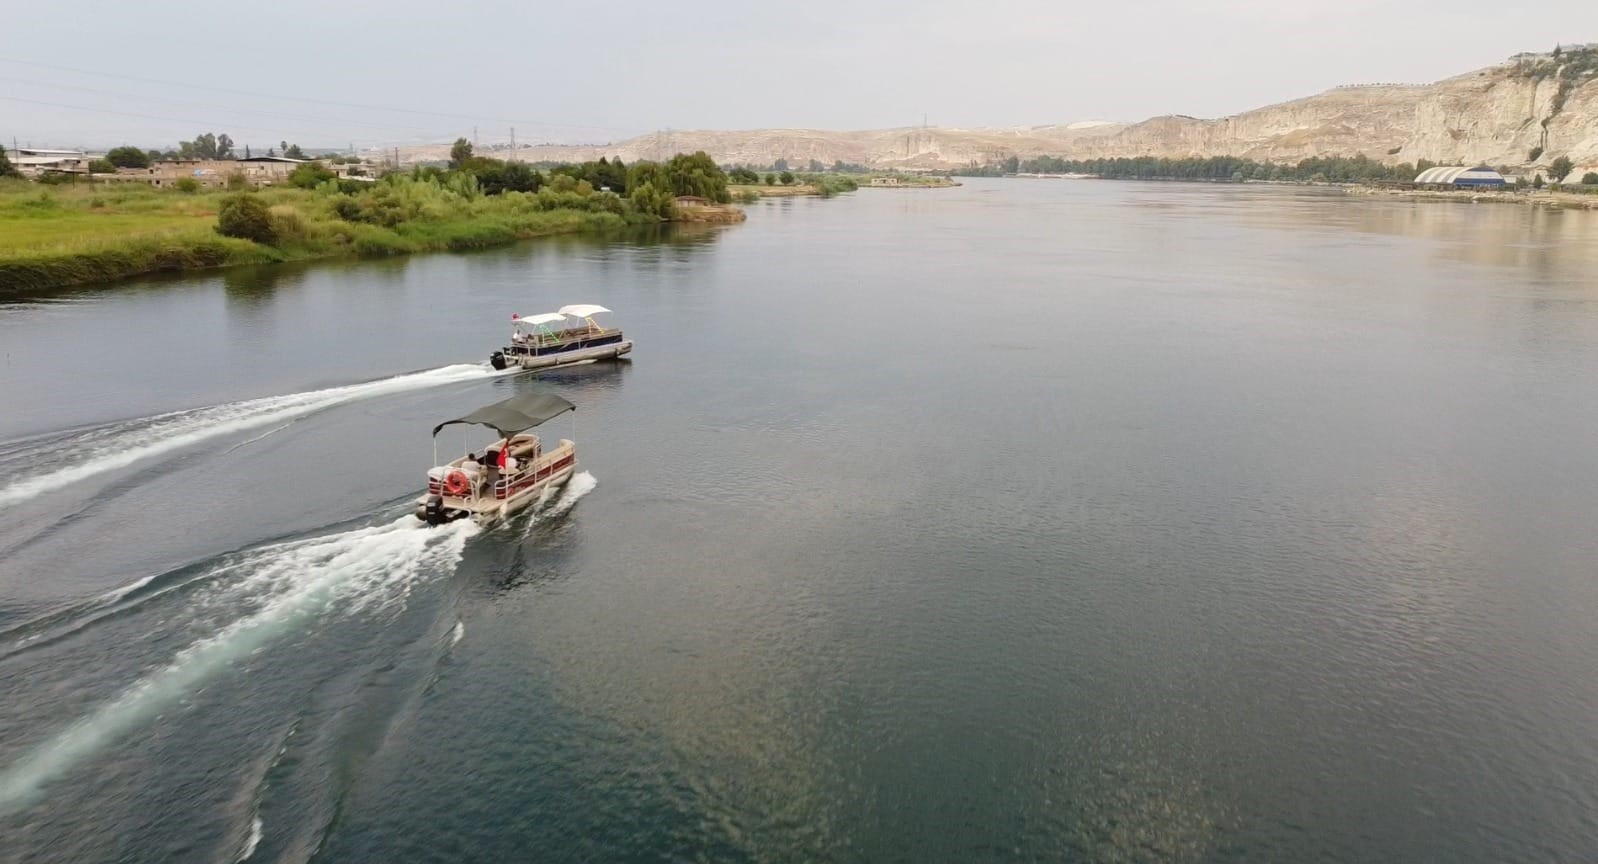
1027,520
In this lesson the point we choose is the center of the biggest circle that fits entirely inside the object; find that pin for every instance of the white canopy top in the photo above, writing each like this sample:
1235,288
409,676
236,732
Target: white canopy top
543,318
582,310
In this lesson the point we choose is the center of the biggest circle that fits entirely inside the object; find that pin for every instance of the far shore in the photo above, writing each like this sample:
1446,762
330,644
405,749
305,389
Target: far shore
1533,197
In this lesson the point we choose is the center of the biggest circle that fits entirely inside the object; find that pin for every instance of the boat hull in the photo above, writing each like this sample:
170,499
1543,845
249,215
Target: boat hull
557,359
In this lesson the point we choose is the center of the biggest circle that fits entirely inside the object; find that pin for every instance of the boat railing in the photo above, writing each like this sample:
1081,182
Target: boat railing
561,337
538,468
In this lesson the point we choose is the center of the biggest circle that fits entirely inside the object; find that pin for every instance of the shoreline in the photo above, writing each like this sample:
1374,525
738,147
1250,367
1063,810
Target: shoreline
1533,198
54,238
197,253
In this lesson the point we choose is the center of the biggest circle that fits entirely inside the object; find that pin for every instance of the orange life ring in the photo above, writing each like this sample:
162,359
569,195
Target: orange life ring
457,484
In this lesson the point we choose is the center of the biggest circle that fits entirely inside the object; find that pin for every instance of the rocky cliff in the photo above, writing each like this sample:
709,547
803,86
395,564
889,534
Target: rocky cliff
1494,116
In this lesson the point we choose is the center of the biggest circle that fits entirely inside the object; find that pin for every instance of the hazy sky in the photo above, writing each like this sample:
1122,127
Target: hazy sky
332,73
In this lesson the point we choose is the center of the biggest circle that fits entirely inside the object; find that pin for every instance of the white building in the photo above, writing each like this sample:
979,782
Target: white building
33,161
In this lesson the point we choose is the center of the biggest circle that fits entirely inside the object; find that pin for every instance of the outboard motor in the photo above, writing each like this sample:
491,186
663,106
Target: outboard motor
497,359
433,512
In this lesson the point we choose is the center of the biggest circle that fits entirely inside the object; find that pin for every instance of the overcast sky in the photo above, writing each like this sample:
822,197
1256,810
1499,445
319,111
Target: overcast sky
330,73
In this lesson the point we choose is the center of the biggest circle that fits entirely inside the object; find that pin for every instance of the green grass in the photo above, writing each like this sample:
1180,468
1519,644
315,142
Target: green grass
54,236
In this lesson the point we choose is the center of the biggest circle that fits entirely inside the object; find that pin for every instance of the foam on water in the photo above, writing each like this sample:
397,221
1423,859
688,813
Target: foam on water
286,584
108,448
581,484
254,840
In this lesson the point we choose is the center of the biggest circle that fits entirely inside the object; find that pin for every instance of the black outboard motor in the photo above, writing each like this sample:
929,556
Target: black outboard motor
433,512
497,359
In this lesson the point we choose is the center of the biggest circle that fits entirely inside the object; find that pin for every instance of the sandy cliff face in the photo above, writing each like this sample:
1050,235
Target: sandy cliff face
1491,116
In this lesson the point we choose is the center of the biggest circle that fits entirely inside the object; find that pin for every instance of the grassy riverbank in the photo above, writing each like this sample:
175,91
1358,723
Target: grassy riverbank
52,236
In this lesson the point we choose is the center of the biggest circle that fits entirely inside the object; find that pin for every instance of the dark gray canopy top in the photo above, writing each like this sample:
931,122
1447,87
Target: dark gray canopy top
516,414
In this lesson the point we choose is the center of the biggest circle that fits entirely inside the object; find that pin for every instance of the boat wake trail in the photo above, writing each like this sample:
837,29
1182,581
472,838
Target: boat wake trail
106,448
282,585
581,484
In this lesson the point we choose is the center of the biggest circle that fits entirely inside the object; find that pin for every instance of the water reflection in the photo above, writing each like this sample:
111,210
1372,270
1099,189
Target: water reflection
251,288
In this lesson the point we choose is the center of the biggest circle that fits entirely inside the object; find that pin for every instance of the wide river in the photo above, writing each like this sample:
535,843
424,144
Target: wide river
1027,520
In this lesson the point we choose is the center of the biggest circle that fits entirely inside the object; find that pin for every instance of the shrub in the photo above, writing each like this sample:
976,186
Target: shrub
310,175
1590,178
243,215
771,179
237,182
746,196
101,166
56,179
1535,152
786,177
287,227
187,185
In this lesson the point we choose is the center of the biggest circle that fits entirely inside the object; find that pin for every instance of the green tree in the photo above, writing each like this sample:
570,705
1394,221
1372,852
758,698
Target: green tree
6,168
101,166
205,146
1537,182
224,147
649,190
293,151
243,215
1533,154
1560,168
459,152
816,166
310,175
780,165
1588,179
128,157
786,177
697,174
771,179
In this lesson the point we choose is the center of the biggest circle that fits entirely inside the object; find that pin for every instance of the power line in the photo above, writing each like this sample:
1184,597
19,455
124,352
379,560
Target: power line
130,114
262,111
307,99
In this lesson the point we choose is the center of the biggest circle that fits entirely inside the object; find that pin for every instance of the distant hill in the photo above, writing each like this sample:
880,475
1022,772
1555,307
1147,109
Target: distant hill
1496,116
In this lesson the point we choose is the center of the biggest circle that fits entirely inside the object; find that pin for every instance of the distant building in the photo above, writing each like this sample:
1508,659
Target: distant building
692,201
34,161
1460,177
257,171
886,181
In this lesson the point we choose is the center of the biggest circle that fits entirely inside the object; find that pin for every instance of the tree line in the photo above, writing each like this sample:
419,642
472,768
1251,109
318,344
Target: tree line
650,187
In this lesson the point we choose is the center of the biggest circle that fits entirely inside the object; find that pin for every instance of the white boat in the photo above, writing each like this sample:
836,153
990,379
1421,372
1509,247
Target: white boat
564,337
478,488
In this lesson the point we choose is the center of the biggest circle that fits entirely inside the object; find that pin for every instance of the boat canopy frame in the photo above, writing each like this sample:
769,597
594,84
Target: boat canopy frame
514,415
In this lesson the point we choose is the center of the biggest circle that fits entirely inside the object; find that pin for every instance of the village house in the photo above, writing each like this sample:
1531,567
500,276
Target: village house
256,170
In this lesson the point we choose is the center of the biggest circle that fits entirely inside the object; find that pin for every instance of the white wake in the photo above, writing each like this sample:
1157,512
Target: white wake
286,584
109,448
